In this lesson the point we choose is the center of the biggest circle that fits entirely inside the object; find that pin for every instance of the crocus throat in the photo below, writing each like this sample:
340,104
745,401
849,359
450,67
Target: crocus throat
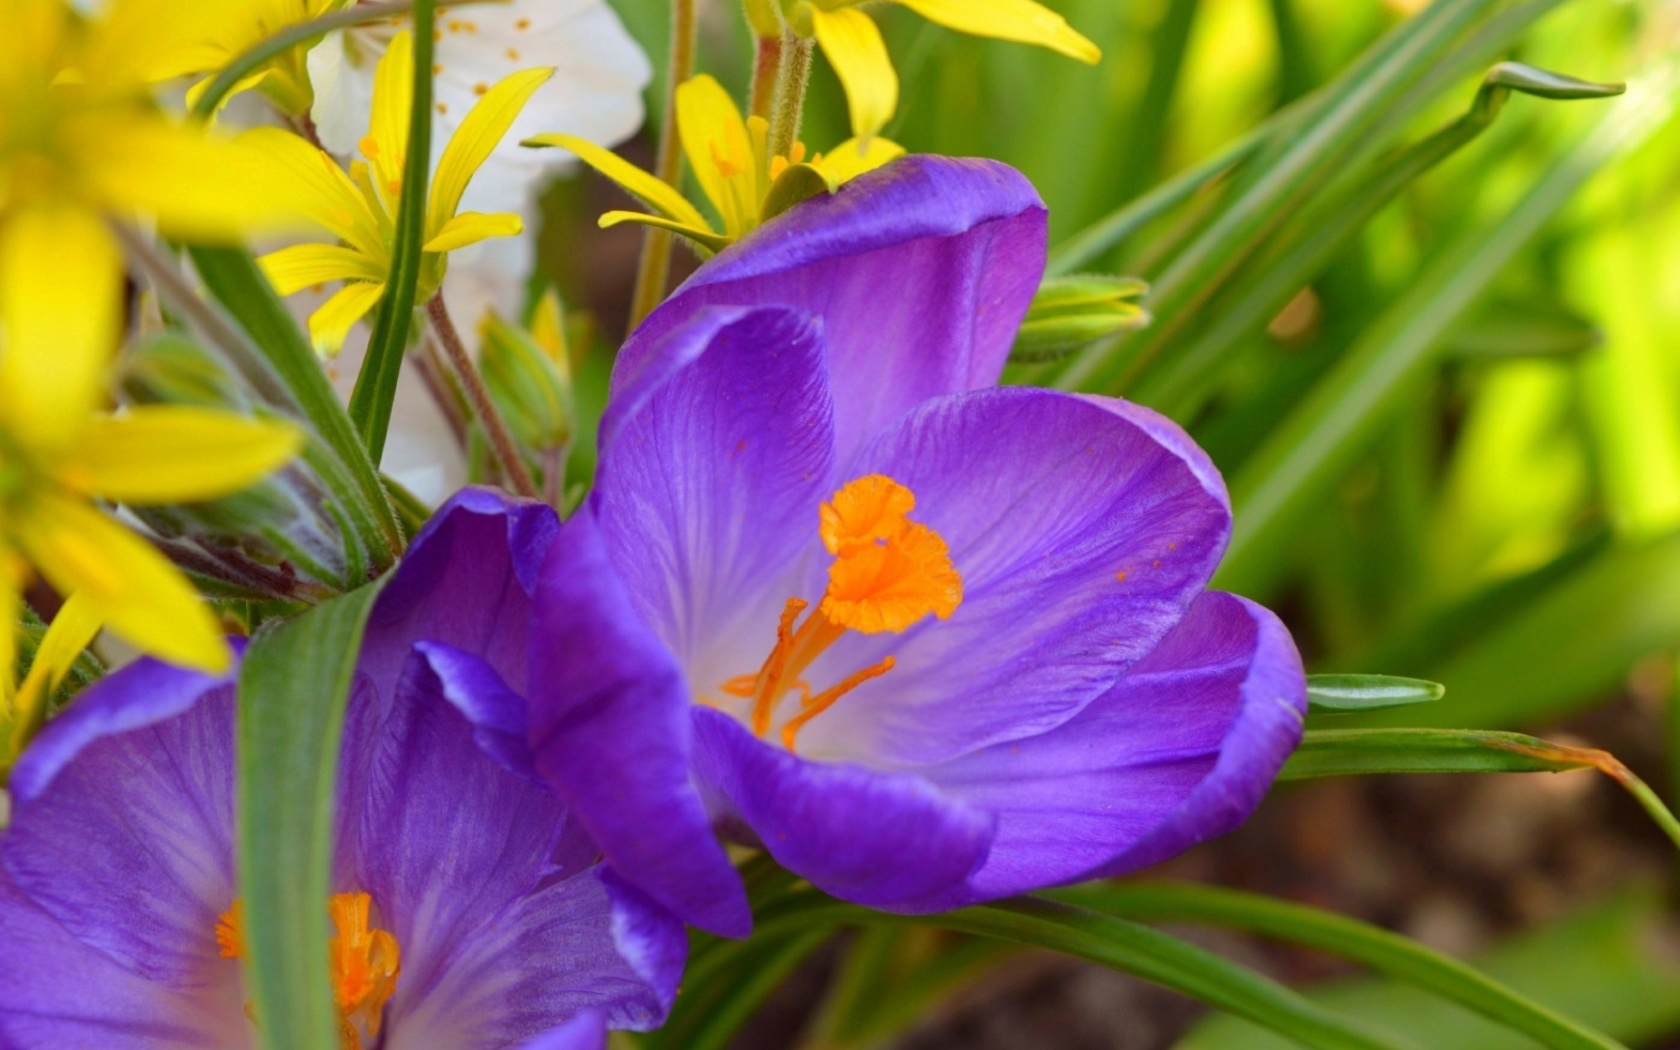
364,962
888,574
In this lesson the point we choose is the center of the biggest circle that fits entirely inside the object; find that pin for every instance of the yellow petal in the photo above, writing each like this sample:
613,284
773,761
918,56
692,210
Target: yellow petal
1022,21
638,183
124,581
71,632
714,136
479,134
859,56
177,454
60,303
851,158
196,184
386,144
548,329
306,265
331,324
470,227
708,242
322,190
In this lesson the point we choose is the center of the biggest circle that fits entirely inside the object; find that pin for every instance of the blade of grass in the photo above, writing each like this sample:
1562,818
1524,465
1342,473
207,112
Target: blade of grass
1116,943
1345,752
1344,411
376,384
1385,952
292,689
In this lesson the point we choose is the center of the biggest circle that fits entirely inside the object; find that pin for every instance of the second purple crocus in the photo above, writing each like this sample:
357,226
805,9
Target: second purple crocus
469,909
926,640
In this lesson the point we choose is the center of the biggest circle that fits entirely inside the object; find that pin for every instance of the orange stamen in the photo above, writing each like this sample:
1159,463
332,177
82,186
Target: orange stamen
364,963
824,700
888,574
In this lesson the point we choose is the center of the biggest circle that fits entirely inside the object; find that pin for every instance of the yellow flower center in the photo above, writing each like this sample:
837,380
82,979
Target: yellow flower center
887,575
364,962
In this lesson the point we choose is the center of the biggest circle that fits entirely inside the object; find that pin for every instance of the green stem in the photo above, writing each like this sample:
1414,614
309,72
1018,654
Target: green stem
502,445
376,385
792,79
653,272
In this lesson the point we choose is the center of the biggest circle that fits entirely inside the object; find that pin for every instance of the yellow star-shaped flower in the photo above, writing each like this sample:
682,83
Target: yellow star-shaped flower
360,207
731,159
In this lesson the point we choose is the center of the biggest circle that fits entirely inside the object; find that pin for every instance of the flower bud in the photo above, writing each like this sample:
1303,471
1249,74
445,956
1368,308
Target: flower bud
1070,313
529,376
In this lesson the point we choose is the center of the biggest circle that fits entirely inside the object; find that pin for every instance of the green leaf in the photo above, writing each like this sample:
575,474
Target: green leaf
376,384
706,1019
1336,422
1115,943
233,278
1609,966
293,683
1379,949
1344,693
1344,752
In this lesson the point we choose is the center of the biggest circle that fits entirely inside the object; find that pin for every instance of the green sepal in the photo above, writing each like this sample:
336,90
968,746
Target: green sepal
799,183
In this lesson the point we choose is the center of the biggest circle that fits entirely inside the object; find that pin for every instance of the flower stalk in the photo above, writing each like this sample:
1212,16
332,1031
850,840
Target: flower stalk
495,427
653,271
792,80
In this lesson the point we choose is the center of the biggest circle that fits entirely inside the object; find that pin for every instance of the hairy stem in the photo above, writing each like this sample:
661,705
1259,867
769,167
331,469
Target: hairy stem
653,271
791,81
766,68
495,428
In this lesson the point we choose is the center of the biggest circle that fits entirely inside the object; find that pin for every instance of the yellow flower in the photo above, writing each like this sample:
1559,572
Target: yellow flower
854,47
731,160
81,143
229,28
60,453
360,208
23,707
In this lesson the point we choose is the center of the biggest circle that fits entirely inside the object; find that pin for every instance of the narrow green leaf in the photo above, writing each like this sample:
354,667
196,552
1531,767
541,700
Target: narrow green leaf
1344,752
1301,253
1116,943
1610,965
233,278
1385,952
1344,693
1327,132
376,384
1347,752
1335,423
292,688
708,1021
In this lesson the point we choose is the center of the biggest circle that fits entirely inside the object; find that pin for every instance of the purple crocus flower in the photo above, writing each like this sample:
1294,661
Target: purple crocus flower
926,640
470,908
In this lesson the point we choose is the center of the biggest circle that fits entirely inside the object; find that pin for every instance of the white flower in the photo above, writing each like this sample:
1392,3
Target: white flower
596,90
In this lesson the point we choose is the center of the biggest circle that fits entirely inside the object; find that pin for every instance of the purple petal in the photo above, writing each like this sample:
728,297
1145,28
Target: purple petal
1081,537
710,482
442,836
123,821
57,992
584,1032
874,838
920,272
466,582
579,946
1181,750
610,729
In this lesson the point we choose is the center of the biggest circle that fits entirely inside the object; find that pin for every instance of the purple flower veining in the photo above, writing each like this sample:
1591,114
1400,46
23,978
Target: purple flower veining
927,640
469,910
